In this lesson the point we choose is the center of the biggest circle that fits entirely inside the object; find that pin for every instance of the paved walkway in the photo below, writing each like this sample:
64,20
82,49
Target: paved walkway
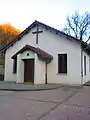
87,83
65,103
27,87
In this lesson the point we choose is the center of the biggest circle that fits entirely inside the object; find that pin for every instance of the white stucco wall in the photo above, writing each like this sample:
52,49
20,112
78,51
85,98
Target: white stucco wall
20,65
30,56
54,45
86,77
27,39
40,71
39,67
20,69
9,75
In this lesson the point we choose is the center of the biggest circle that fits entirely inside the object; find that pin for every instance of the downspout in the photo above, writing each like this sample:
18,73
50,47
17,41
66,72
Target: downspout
46,73
81,64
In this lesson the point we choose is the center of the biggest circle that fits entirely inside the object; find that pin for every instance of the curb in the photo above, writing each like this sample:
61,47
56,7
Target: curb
39,89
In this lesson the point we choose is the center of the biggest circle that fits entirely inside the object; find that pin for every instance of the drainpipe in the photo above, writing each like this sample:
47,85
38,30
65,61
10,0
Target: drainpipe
81,64
46,74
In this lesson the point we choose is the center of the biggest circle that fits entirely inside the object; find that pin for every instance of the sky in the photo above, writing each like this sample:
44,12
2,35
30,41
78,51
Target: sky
21,13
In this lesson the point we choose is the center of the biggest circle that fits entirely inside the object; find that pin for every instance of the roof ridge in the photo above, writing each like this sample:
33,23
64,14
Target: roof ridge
45,26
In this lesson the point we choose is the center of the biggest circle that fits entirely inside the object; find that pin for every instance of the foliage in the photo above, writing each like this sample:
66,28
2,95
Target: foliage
2,61
78,25
7,34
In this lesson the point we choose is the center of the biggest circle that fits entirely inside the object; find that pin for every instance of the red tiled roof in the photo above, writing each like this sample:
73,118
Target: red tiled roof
42,54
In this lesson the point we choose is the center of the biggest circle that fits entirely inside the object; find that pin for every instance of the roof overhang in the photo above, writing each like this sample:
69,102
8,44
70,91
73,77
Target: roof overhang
41,54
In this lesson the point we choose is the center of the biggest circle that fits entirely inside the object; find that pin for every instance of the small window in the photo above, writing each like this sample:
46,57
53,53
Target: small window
27,54
62,63
84,65
15,65
89,65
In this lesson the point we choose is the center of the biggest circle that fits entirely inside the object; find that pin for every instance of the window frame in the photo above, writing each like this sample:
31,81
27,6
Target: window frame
63,68
89,65
15,65
85,66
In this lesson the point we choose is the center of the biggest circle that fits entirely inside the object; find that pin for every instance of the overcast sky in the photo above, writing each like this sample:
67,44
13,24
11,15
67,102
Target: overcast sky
21,13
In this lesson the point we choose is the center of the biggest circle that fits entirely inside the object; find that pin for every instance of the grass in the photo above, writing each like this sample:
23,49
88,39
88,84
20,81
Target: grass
2,61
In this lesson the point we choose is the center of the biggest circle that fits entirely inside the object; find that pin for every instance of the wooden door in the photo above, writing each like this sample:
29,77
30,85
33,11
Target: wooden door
29,70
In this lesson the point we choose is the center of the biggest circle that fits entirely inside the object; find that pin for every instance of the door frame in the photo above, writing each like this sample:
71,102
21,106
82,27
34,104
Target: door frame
33,68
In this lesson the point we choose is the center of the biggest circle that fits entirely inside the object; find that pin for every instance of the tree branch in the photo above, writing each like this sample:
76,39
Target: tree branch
70,25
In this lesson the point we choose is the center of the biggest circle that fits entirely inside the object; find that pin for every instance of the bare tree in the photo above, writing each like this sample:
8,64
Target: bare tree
78,25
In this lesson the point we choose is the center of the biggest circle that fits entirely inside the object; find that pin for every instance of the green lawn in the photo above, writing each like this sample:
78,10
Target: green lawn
2,61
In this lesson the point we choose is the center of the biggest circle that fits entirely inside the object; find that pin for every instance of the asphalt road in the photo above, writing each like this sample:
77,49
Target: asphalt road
66,103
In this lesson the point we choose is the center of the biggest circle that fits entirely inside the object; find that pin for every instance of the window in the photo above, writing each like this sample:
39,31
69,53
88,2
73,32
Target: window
15,65
84,65
27,54
89,65
62,63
